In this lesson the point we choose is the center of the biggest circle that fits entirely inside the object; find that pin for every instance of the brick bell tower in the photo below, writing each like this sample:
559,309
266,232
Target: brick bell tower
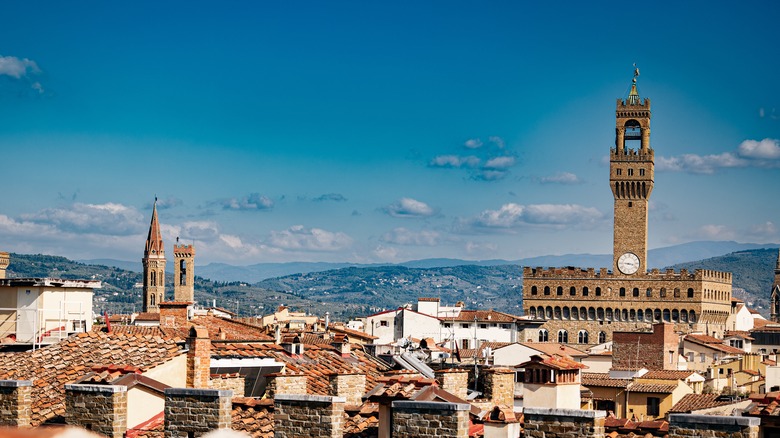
631,179
183,273
154,266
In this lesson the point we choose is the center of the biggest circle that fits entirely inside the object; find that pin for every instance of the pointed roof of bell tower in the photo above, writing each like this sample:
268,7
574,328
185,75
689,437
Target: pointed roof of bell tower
154,242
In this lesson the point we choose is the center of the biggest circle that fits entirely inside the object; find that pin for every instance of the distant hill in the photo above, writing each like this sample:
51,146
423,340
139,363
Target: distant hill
658,258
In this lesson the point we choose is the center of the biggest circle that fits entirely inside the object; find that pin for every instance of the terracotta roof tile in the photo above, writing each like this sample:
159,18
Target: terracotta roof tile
694,402
253,416
667,375
53,366
652,387
603,379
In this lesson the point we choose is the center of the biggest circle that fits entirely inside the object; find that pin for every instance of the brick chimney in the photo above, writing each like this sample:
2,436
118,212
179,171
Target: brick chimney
500,386
453,380
198,357
15,402
341,343
174,314
99,408
351,386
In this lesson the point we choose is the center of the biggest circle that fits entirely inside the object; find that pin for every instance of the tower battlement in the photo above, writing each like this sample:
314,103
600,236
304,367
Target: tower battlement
625,105
183,251
632,155
603,273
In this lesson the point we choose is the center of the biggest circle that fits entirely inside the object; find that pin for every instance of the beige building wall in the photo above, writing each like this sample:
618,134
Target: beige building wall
552,395
142,404
172,373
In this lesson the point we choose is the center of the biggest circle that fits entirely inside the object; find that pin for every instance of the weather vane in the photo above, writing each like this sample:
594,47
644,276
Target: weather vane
636,72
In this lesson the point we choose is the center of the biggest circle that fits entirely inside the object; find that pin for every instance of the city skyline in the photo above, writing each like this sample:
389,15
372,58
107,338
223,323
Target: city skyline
353,132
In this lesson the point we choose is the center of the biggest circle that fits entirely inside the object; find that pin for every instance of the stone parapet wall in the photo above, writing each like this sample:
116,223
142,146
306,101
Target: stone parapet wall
99,408
499,386
563,423
350,386
235,384
285,384
195,412
454,381
430,419
15,402
306,416
687,425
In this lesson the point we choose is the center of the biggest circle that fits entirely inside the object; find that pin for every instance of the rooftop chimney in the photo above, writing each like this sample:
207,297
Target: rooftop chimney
198,358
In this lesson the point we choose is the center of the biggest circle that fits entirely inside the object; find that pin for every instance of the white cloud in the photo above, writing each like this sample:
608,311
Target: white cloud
386,253
490,175
454,161
408,207
481,248
500,163
766,149
750,153
165,203
16,67
473,143
498,141
561,178
336,197
715,232
403,236
512,215
299,238
766,231
109,218
253,201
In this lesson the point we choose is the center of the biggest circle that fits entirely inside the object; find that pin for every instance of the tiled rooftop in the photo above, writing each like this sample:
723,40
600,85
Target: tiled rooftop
51,367
694,402
667,375
603,379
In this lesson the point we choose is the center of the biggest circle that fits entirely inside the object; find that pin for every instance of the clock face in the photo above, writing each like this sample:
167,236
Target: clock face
628,263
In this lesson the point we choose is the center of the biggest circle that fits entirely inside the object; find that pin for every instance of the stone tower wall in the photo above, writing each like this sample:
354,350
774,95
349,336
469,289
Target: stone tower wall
196,411
690,426
563,423
430,419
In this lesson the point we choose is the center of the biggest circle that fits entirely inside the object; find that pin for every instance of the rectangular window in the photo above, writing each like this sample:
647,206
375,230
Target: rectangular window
464,325
720,370
464,343
483,326
690,357
702,357
383,323
653,406
447,325
715,356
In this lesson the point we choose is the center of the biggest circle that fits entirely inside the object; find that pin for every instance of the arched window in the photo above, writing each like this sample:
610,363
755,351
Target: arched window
585,291
543,335
582,337
591,313
566,314
677,292
540,312
600,314
663,292
557,314
575,313
640,315
608,314
690,292
624,315
547,290
183,272
675,315
692,316
534,290
563,337
583,313
153,299
636,292
667,316
572,291
602,337
649,315
153,279
657,315
548,311
683,315
622,291
559,290
649,292
532,312
598,291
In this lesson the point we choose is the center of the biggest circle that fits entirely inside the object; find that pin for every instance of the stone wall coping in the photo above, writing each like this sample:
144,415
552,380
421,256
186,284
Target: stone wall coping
309,398
675,419
578,413
105,389
499,370
450,370
351,373
199,392
286,375
430,406
14,383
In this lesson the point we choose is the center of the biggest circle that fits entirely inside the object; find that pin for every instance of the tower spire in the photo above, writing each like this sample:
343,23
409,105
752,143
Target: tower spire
154,266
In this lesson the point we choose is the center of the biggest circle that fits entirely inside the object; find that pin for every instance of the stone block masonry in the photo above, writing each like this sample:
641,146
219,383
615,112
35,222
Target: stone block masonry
430,419
15,402
99,408
306,416
285,384
686,425
349,386
563,423
194,412
454,381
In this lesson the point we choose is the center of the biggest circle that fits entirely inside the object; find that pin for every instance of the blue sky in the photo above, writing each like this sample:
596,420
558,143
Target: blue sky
379,131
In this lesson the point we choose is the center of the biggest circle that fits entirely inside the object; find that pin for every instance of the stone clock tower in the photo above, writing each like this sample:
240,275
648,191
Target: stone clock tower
154,266
631,179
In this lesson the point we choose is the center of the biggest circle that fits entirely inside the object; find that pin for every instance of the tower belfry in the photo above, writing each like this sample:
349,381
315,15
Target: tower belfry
631,168
154,266
184,273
